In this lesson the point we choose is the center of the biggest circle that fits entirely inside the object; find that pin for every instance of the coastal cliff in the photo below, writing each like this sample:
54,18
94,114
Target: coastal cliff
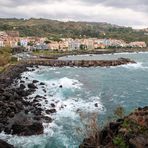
128,132
15,107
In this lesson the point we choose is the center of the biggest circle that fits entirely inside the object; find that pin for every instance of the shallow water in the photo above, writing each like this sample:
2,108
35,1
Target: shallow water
82,88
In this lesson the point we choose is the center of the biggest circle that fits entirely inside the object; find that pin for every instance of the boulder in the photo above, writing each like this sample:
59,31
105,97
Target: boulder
35,81
50,111
42,83
4,144
52,105
22,86
27,130
139,142
32,86
47,119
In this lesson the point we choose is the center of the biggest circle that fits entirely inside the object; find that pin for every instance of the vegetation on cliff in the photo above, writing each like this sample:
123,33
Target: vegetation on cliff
128,132
6,58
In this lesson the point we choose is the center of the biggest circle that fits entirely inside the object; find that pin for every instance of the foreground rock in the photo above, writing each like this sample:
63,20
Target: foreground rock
18,116
27,129
4,144
131,131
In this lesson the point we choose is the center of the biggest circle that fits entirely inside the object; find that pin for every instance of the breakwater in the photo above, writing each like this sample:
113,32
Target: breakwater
79,63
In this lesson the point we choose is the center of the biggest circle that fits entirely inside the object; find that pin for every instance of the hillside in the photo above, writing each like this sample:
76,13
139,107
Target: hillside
53,28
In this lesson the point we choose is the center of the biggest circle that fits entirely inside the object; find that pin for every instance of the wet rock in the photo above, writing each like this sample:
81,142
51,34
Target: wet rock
4,144
12,114
96,104
27,130
32,86
114,126
42,83
44,91
35,81
38,96
22,86
22,81
50,111
52,105
47,119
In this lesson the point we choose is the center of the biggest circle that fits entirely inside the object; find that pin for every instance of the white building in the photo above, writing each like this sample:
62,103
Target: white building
1,43
74,45
24,42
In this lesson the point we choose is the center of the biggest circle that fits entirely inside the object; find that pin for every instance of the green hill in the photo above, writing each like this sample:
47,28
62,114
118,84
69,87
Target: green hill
53,28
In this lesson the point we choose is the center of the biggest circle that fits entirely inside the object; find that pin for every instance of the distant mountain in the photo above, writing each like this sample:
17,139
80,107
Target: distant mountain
54,28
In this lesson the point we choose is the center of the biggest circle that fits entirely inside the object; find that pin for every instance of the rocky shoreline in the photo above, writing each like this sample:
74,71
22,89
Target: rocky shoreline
22,117
128,132
14,106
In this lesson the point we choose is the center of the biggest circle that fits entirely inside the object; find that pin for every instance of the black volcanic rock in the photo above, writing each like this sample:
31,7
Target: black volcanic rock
50,111
42,83
32,86
4,144
27,130
35,81
22,86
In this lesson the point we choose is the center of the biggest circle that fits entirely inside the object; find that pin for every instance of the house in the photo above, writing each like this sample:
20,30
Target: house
53,45
1,43
23,42
9,38
40,46
74,44
137,44
88,43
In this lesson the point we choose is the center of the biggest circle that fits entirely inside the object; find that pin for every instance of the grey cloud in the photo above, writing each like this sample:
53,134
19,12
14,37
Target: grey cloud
12,8
137,5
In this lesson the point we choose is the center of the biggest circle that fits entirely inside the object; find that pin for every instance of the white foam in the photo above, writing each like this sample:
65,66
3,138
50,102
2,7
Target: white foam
67,107
135,66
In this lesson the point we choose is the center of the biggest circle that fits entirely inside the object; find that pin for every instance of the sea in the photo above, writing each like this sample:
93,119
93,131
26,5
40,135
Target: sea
82,94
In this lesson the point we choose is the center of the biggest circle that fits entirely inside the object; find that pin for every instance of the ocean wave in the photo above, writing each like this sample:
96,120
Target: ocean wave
135,66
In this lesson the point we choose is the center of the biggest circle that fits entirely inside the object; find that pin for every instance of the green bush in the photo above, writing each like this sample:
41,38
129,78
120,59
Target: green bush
119,141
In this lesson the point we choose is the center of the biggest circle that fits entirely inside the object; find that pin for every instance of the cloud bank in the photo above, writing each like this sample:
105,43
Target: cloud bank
131,13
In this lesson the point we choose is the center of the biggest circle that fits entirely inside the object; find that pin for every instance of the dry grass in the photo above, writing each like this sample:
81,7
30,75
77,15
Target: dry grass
5,56
90,129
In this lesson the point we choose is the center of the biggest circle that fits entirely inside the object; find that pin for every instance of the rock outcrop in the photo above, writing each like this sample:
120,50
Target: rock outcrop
4,144
131,131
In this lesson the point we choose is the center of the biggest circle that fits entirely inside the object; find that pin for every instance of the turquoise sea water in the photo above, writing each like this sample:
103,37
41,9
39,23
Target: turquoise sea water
125,86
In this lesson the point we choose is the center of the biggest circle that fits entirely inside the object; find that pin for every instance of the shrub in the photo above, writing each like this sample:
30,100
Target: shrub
119,112
13,59
119,141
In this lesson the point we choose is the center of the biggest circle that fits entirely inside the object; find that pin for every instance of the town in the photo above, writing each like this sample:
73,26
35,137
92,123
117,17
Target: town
12,39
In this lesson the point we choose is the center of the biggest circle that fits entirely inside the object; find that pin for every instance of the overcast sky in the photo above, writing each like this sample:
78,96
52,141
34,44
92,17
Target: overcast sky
132,13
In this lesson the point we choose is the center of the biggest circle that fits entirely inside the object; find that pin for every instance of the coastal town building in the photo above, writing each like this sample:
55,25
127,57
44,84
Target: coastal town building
12,39
138,44
74,44
54,45
9,38
1,43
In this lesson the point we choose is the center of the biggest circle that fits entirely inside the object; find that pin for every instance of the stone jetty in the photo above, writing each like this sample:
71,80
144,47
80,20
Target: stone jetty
80,63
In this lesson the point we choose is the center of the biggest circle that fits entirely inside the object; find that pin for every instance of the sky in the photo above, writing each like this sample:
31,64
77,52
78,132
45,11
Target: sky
132,13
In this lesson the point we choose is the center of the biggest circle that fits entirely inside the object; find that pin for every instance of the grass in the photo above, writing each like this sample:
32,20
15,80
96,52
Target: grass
6,58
